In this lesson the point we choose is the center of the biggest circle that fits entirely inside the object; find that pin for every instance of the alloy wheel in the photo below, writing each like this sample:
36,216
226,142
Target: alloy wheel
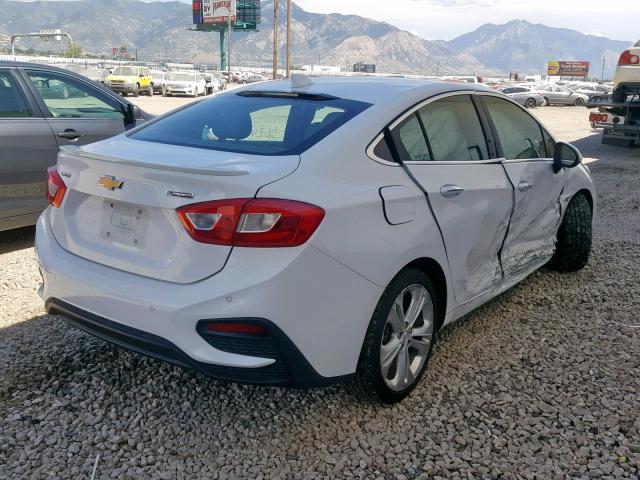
407,337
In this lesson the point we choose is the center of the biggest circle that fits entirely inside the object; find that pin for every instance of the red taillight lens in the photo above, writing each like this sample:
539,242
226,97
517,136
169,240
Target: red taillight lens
628,58
236,327
55,187
248,222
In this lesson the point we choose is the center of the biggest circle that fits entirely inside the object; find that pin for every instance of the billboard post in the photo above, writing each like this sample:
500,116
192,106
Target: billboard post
225,16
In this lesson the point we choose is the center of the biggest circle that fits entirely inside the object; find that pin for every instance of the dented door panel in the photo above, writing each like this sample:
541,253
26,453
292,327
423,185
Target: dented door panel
536,214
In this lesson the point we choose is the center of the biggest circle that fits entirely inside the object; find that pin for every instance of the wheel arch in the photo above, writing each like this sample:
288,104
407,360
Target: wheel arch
434,271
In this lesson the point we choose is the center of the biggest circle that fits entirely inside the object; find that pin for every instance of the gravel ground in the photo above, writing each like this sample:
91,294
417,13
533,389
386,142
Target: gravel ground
541,383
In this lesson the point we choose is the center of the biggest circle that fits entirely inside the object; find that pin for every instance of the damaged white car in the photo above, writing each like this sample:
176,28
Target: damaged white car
308,232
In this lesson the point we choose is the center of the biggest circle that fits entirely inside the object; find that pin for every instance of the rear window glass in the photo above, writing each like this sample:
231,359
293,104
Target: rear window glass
261,125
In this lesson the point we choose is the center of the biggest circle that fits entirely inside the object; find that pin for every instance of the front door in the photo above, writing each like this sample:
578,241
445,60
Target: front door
28,148
527,150
445,148
78,112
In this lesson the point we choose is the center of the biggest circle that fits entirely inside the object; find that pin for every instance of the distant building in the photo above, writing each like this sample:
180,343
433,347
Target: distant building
364,68
321,69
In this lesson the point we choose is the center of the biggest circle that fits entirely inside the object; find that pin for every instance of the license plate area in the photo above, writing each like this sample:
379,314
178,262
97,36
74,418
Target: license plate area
124,224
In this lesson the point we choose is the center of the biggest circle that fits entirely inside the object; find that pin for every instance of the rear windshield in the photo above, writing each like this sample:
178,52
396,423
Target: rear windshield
261,124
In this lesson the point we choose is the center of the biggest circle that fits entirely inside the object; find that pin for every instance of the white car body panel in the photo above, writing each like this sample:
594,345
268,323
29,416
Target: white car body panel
158,247
628,74
322,294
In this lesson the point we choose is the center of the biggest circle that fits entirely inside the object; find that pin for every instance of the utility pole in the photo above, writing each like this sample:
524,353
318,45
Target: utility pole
276,8
604,59
288,38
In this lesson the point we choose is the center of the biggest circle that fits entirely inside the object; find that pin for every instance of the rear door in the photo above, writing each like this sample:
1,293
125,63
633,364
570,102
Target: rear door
27,149
78,112
445,148
528,152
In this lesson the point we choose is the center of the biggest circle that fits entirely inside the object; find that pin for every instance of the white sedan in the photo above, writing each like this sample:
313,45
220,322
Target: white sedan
307,232
185,83
627,79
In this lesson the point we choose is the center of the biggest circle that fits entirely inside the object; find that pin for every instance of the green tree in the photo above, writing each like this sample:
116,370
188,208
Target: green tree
74,51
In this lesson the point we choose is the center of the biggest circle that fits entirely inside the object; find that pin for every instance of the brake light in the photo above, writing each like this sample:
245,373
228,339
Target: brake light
628,58
248,222
598,117
56,187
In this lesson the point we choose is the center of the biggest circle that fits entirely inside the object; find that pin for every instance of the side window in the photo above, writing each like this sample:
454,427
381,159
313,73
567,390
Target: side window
409,140
13,104
549,144
508,90
453,130
66,97
382,150
519,134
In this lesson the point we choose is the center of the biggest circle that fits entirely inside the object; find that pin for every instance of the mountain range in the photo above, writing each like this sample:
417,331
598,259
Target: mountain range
158,31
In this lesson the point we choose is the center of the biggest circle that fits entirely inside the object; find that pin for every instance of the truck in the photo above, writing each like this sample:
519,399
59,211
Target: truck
620,120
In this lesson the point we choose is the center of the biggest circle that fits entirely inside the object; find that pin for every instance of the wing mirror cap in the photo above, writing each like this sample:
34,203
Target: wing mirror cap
566,156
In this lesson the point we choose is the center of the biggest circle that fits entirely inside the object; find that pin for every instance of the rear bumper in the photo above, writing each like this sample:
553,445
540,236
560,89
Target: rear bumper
317,307
628,76
289,369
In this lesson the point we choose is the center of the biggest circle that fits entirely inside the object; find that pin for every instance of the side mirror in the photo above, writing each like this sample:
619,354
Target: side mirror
132,112
566,156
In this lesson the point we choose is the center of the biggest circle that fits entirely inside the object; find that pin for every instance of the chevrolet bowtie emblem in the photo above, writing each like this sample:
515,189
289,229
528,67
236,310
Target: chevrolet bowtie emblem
110,183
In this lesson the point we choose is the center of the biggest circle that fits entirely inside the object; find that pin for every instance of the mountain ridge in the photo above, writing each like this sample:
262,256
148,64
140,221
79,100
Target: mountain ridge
158,31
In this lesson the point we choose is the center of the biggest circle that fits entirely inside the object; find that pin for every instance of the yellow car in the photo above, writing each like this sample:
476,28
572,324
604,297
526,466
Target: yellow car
130,79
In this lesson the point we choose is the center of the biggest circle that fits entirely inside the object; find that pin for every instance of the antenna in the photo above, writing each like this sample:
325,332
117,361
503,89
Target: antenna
300,80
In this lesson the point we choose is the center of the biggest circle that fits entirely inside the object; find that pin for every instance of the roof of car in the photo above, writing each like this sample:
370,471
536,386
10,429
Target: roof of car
368,89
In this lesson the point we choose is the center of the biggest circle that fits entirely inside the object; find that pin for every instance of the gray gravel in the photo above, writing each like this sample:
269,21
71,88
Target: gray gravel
541,383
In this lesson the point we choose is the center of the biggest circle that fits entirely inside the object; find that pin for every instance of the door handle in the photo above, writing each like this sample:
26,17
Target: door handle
70,134
450,191
524,186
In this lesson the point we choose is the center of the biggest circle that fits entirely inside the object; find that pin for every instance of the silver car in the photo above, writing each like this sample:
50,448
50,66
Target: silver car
556,95
42,109
525,96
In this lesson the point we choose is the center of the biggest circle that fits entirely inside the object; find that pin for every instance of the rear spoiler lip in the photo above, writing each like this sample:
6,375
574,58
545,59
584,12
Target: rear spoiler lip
77,151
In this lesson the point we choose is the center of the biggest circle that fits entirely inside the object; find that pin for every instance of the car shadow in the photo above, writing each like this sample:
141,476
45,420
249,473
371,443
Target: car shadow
17,239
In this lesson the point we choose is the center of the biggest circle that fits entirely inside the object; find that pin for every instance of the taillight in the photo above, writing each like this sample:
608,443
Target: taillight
628,58
248,222
55,187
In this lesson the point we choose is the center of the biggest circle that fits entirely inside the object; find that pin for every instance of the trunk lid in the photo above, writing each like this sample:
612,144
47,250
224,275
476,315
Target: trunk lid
119,209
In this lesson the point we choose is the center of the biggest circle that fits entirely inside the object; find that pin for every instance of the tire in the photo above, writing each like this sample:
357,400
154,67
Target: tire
136,92
531,103
547,102
150,91
573,244
379,383
579,102
163,91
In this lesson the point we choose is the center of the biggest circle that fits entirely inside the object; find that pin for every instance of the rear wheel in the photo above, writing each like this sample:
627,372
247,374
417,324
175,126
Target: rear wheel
579,102
573,244
150,91
547,102
530,103
399,339
136,90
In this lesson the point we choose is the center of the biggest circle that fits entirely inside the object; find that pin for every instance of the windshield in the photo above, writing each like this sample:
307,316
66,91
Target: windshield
182,77
125,71
253,123
637,44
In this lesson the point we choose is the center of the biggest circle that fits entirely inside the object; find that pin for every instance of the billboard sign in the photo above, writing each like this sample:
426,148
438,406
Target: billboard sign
217,11
568,68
